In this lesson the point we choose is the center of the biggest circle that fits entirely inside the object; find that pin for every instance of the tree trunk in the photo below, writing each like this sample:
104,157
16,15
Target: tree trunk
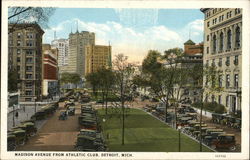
106,104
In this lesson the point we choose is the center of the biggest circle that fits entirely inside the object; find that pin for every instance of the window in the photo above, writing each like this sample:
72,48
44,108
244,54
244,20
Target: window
29,43
236,60
228,61
18,35
18,43
28,84
219,99
213,62
220,62
18,51
213,98
18,68
227,101
27,99
28,76
220,80
222,17
207,37
28,68
18,59
29,35
28,93
214,43
236,80
229,39
237,37
221,41
227,81
208,24
207,63
29,60
29,52
207,50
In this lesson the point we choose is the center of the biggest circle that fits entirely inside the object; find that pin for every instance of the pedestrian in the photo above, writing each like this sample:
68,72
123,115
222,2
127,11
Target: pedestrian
16,115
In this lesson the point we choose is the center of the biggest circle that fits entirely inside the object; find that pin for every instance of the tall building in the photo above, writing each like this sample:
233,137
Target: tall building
50,71
25,56
76,58
223,49
63,50
97,56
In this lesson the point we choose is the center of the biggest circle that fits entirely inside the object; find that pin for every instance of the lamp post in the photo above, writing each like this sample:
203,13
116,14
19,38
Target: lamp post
179,130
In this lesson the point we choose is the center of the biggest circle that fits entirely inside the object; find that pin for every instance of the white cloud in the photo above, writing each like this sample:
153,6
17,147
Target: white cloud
134,44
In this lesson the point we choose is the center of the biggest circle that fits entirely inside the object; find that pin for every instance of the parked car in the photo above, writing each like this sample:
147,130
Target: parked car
63,115
20,136
71,111
225,141
40,115
87,143
11,143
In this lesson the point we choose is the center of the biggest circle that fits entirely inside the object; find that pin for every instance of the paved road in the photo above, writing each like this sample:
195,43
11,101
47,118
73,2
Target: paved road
55,135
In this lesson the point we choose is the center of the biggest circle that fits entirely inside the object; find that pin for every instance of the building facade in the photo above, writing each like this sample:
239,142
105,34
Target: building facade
25,56
192,56
223,49
63,51
50,71
97,56
76,58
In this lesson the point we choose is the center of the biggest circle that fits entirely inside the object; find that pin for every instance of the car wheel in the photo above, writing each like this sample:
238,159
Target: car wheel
22,142
232,148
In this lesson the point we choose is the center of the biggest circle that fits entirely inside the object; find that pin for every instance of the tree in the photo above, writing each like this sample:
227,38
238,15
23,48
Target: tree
39,15
123,71
12,80
106,82
73,78
93,79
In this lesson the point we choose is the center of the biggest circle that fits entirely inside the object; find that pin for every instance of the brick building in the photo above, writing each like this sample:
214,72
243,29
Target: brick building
25,56
50,71
190,48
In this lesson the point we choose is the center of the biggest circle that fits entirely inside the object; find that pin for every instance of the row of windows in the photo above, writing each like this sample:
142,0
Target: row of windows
29,43
221,17
29,35
227,62
227,99
227,82
236,11
218,42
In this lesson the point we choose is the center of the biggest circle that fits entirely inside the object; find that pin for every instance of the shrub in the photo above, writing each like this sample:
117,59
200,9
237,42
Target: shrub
211,106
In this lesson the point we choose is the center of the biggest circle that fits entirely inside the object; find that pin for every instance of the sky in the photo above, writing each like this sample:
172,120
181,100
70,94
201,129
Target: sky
132,32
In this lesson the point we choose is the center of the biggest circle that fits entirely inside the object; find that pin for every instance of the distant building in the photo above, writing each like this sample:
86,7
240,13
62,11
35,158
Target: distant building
63,51
50,71
189,92
223,49
190,48
76,58
25,56
97,56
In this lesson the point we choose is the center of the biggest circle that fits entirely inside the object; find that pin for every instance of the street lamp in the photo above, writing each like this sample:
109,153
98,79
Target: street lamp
179,130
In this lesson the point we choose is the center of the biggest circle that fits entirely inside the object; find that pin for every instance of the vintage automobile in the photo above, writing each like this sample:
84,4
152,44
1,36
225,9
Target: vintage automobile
63,115
224,141
20,135
11,142
87,143
71,111
29,128
93,133
211,135
88,124
217,118
40,115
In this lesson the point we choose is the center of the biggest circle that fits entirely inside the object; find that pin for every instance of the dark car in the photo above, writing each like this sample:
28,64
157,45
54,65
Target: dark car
63,115
11,143
71,111
225,141
87,143
40,115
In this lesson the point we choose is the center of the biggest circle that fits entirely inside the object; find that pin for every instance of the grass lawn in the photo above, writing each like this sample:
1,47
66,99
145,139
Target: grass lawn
144,133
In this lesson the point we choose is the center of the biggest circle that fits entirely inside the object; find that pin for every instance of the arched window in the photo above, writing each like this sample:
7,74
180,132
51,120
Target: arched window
229,39
214,43
221,41
237,37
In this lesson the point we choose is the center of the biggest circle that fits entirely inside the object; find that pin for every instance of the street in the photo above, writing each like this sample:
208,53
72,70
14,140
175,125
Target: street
55,135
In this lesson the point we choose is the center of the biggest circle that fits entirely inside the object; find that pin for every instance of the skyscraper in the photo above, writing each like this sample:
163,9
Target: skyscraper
76,58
